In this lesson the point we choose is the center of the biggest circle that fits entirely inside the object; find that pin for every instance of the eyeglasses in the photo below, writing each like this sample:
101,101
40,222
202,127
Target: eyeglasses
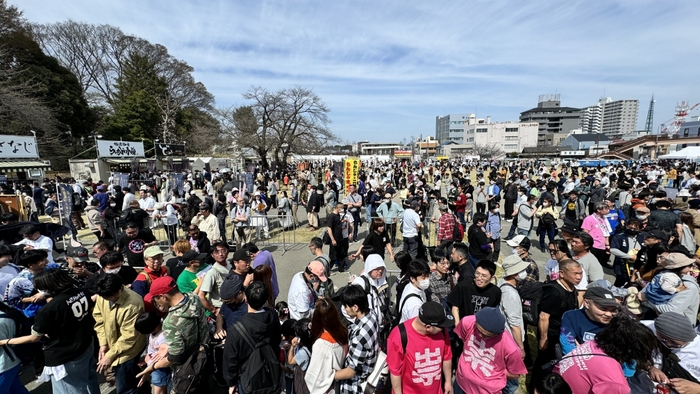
444,262
219,251
672,343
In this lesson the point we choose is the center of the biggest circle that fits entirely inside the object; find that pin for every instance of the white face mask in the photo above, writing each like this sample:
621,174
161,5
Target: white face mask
424,284
515,251
113,270
522,275
641,217
112,205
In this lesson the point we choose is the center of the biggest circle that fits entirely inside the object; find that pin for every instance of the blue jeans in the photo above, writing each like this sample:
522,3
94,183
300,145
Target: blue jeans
473,261
511,233
125,376
511,386
460,216
81,376
11,383
551,232
524,232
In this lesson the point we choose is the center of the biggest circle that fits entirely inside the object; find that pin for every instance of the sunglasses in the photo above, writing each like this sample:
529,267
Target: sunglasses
553,251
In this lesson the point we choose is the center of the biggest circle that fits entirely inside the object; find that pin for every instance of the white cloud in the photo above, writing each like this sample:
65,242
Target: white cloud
391,67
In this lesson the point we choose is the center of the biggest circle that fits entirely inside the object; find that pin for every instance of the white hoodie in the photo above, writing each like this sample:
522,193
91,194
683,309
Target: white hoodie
375,297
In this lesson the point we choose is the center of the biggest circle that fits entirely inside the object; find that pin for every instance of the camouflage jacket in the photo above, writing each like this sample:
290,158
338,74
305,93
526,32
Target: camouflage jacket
184,326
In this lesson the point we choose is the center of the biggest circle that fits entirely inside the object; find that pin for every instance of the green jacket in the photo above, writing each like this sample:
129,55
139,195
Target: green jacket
184,327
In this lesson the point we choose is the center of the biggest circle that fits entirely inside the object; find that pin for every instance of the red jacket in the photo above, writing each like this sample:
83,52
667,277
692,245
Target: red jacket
461,202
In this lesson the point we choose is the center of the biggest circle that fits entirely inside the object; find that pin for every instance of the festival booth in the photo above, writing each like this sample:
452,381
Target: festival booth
112,157
689,153
209,163
19,159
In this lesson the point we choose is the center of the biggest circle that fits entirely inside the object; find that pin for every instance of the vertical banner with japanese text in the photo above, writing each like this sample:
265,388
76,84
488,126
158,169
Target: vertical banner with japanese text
176,182
121,179
65,201
352,172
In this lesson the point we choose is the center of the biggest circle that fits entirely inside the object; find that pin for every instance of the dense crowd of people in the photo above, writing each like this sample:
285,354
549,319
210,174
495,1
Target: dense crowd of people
464,315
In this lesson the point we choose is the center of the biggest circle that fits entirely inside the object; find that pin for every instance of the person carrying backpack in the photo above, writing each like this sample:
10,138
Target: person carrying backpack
10,363
251,352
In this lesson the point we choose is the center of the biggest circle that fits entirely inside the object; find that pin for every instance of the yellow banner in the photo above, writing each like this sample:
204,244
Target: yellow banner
352,172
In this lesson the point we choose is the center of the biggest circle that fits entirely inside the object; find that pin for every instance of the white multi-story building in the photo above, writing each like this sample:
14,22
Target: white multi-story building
511,137
591,118
610,117
450,127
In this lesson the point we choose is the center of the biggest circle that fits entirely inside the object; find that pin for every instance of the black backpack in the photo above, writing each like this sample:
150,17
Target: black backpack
548,220
261,373
399,309
530,297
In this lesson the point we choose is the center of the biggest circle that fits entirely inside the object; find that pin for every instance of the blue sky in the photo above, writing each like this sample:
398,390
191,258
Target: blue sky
387,68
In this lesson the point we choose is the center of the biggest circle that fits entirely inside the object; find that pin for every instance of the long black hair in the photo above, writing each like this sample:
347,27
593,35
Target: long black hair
53,281
627,341
302,328
552,384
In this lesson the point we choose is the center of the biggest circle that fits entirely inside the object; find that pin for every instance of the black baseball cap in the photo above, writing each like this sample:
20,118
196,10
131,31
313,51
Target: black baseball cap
242,254
192,255
600,296
432,313
656,233
79,254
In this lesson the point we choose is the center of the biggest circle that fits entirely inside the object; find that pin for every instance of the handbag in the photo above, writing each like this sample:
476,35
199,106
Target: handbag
380,371
187,376
300,386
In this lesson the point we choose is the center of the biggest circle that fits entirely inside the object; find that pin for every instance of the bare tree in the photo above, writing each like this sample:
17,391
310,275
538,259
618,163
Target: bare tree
488,151
277,124
97,55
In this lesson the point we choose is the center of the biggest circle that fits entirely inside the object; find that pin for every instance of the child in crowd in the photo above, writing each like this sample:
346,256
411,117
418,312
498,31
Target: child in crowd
301,350
668,282
149,323
282,309
288,334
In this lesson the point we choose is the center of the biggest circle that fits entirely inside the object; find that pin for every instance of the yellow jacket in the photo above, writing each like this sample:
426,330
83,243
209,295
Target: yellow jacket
115,326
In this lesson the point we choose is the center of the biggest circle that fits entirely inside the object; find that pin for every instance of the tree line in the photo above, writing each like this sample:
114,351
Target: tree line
70,81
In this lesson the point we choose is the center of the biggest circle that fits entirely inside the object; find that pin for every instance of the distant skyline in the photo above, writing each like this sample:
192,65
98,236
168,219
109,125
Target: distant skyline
386,69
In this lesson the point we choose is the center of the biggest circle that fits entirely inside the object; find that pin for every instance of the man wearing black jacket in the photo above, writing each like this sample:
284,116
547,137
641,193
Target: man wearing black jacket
261,323
200,237
313,207
479,246
511,195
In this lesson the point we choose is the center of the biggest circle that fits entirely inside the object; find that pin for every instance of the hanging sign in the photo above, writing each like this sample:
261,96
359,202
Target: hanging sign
120,149
16,147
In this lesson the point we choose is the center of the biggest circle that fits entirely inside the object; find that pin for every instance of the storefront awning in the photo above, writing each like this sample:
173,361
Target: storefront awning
23,165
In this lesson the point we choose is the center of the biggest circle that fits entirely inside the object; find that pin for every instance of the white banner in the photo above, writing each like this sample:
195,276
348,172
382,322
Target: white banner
16,147
119,149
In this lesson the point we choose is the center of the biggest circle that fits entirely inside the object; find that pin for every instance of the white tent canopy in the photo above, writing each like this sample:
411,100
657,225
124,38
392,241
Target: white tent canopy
689,153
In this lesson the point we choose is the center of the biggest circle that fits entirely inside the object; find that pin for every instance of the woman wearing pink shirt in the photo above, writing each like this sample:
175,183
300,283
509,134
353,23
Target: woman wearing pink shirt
598,227
595,367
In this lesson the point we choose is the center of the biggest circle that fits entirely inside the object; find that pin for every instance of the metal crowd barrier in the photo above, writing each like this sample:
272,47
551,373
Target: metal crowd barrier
281,230
429,233
160,232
